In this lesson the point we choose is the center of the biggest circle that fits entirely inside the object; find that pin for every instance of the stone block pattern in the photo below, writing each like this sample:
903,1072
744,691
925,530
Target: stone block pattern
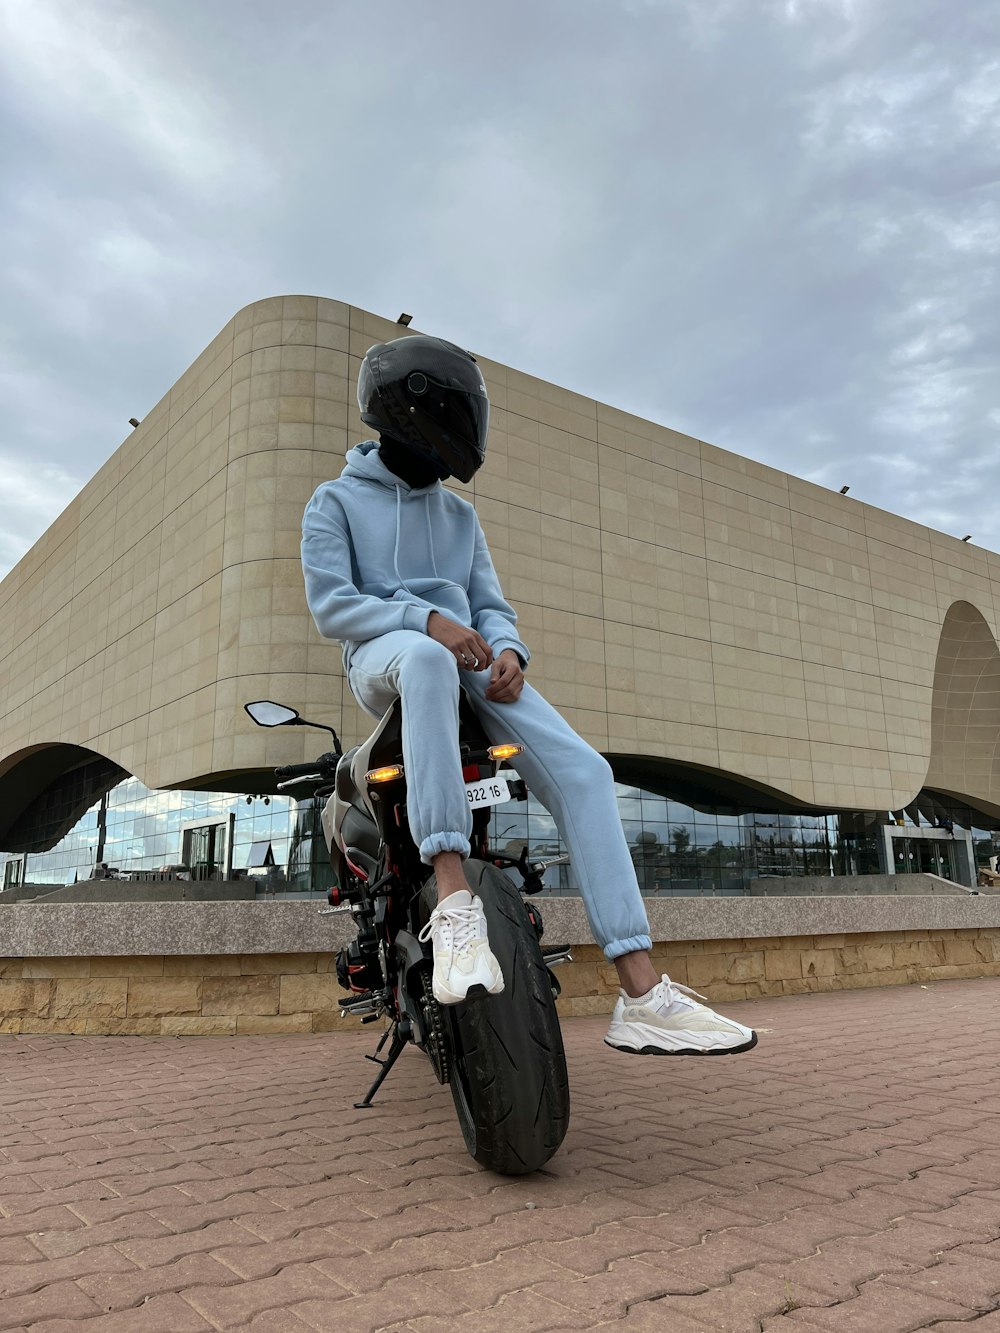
844,1175
264,994
681,601
745,969
177,995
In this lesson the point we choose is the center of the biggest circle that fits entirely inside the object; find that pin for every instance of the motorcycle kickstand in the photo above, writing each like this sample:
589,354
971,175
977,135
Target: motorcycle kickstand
395,1051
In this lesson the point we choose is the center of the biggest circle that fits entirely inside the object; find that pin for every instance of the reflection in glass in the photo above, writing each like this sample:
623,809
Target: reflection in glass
145,831
675,848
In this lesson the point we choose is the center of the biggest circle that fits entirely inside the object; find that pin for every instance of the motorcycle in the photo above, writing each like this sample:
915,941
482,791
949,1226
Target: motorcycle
501,1055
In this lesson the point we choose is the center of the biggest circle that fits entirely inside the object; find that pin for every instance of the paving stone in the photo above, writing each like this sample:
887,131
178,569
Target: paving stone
233,1306
160,1314
977,1215
966,1279
57,1217
277,1321
624,1283
19,1279
166,1249
656,1317
737,1306
981,1168
588,1255
240,1178
983,1323
56,1244
112,1292
363,1271
719,1256
839,1268
64,1300
18,1250
776,1199
521,1312
933,1187
105,1208
844,1180
261,1259
334,1211
187,1217
880,1305
401,1298
794,1236
826,1182
479,1244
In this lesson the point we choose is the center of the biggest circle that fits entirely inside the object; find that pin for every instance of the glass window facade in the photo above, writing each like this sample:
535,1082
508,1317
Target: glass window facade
677,849
683,851
138,833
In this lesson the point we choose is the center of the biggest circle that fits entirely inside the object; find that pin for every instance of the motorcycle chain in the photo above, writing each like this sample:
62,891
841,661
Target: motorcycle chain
437,1044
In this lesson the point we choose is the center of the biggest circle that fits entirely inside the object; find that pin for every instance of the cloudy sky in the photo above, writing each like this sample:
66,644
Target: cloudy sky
774,224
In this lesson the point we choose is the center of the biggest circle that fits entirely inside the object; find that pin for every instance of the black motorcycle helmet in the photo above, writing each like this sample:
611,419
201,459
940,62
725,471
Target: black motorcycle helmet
429,396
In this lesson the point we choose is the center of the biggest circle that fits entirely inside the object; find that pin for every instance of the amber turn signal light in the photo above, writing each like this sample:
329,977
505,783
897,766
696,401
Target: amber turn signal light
387,774
506,751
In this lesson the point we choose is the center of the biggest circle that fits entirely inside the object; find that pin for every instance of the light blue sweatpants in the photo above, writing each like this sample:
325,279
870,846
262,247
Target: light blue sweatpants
568,776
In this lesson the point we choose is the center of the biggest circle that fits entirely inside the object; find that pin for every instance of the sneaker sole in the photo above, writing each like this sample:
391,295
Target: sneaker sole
683,1050
475,992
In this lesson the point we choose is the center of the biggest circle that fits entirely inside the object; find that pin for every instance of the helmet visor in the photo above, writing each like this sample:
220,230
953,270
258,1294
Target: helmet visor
453,421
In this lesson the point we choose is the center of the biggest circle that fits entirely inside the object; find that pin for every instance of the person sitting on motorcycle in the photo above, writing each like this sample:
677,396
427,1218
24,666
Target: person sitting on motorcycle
397,569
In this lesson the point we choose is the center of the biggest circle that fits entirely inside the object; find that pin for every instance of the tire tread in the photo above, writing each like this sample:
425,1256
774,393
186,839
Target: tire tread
509,1077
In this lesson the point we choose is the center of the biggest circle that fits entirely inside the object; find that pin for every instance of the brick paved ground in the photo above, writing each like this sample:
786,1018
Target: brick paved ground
844,1176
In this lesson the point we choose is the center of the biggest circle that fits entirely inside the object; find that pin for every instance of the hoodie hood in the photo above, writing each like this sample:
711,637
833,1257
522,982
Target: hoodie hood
363,462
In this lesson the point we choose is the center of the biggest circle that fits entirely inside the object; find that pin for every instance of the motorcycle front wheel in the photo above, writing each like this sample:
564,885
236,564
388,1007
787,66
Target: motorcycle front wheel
508,1076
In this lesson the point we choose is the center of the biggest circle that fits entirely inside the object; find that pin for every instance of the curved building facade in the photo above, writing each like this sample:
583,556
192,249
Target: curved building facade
739,642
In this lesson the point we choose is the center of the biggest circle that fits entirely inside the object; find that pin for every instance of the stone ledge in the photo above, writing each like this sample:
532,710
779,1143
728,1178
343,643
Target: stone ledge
268,994
74,930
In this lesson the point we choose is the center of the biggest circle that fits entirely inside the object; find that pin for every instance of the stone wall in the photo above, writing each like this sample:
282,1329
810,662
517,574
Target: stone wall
261,994
744,969
173,996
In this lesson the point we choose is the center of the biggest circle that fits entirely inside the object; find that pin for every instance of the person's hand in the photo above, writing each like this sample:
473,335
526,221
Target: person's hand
507,680
471,650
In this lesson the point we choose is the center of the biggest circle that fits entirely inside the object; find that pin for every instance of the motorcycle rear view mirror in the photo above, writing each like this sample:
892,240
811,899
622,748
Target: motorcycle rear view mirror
268,714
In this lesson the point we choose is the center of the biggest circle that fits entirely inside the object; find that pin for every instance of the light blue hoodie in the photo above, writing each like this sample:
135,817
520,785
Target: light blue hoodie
379,555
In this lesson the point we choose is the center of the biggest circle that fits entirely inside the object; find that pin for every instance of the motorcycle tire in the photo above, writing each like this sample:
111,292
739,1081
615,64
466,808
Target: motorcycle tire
508,1078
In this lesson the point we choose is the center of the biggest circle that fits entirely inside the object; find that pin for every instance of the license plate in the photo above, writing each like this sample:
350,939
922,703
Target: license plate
490,791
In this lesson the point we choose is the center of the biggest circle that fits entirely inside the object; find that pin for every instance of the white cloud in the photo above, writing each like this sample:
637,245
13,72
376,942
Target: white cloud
98,65
774,226
34,494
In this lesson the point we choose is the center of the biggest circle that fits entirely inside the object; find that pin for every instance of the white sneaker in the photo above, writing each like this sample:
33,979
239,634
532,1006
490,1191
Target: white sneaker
668,1020
462,956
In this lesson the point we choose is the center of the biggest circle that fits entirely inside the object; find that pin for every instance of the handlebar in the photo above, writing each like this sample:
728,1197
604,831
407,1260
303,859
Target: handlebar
294,782
552,861
297,770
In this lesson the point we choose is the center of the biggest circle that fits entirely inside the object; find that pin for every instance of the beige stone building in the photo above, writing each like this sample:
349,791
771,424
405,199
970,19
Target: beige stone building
743,645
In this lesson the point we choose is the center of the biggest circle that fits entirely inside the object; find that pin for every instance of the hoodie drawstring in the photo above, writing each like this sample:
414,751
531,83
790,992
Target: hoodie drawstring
395,549
430,539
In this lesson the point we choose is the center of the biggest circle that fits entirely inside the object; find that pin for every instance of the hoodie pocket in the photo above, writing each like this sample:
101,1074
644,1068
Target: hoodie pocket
440,595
